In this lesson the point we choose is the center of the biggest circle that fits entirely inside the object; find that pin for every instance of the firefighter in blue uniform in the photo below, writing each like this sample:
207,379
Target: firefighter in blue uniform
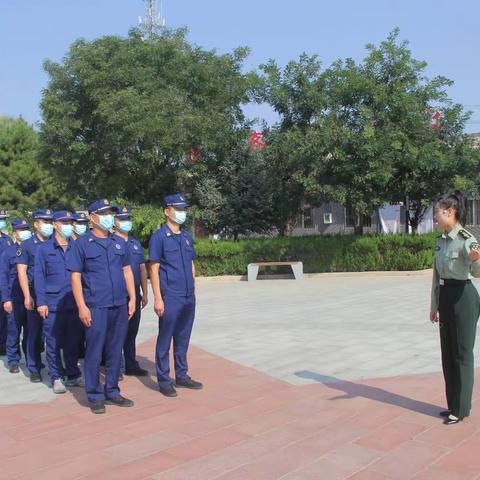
123,226
80,228
104,291
56,305
171,253
5,241
80,225
43,225
12,295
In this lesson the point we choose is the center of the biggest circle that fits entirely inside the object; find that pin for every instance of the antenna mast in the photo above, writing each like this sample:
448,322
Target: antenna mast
154,21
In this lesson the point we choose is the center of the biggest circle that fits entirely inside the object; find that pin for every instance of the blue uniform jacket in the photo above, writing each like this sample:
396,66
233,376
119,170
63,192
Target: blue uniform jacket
175,253
10,286
5,241
136,258
27,257
101,262
53,285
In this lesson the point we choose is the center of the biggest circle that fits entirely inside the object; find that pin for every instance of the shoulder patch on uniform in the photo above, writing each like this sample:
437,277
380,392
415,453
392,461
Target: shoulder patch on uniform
90,239
19,251
117,246
437,248
9,243
464,233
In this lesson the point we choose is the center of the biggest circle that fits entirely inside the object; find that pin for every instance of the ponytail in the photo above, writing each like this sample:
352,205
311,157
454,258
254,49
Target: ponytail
458,202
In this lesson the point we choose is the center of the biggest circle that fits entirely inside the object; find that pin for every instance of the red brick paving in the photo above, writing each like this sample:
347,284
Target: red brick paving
244,425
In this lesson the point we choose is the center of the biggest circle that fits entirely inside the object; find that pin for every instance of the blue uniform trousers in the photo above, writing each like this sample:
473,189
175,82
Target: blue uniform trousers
176,323
34,341
129,349
3,329
61,330
107,332
16,322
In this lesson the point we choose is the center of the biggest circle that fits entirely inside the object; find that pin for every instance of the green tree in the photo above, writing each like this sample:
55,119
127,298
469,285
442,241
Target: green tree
121,114
297,94
427,156
26,185
236,198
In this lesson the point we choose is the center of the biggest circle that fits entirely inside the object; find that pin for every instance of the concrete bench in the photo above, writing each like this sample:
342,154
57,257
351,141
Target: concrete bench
252,269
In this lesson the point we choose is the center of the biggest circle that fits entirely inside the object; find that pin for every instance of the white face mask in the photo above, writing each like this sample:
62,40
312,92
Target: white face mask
80,229
180,217
24,235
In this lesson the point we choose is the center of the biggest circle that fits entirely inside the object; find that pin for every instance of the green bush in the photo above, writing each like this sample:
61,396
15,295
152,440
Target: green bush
342,253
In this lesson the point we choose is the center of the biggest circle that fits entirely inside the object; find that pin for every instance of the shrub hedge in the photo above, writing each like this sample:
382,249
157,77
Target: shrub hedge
342,253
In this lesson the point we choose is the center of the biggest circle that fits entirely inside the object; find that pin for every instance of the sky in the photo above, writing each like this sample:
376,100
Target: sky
443,33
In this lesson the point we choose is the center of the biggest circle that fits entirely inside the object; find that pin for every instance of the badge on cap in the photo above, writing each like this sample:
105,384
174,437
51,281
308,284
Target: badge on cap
117,246
124,209
19,251
182,199
69,214
105,202
82,215
49,212
24,222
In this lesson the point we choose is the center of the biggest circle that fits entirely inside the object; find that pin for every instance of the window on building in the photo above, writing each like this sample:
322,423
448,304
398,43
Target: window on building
305,218
352,219
470,212
327,218
473,212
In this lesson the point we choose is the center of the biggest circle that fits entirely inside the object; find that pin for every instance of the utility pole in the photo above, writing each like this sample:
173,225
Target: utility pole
154,21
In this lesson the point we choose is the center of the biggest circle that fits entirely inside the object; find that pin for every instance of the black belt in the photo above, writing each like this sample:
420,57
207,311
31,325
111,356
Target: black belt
446,282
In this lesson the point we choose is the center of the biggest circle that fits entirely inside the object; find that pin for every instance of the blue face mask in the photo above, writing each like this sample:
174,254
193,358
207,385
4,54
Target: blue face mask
3,224
24,235
80,229
66,231
106,221
180,217
124,226
46,229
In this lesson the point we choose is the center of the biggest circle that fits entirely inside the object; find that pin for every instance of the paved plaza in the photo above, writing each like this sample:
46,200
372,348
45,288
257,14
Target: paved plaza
329,377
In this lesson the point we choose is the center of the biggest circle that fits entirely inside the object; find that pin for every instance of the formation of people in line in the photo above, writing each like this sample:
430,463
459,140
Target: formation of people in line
73,290
76,287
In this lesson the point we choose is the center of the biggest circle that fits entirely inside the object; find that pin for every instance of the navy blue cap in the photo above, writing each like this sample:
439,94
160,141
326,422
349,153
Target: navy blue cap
99,205
80,218
45,214
62,216
3,213
19,223
123,212
175,200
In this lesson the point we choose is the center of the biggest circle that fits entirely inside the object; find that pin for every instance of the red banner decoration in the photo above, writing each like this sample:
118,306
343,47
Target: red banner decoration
435,118
256,141
194,154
